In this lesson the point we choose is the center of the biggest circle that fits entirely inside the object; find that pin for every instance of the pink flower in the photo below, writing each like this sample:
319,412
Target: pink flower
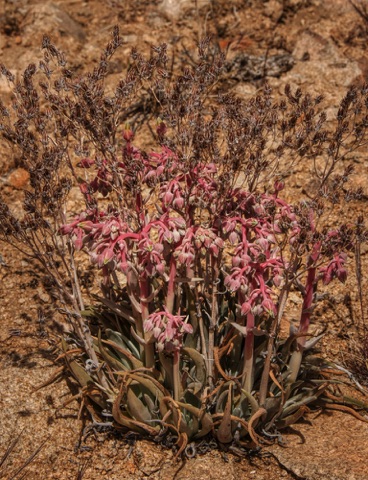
168,329
245,308
342,274
128,133
178,202
269,307
66,229
234,238
85,163
278,186
277,280
78,242
161,129
168,197
263,243
335,268
232,283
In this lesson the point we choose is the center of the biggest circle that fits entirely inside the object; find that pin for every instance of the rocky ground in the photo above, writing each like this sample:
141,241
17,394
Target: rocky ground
320,46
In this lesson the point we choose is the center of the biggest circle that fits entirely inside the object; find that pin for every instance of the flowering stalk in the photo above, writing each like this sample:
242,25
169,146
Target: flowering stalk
310,286
170,297
248,353
271,343
149,354
215,262
169,330
176,375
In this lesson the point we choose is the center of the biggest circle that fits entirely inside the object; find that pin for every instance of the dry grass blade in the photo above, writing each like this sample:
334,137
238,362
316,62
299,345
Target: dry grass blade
82,469
10,449
361,9
358,267
29,460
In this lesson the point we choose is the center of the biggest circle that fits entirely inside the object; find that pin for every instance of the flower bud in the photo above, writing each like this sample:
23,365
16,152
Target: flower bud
84,188
168,197
190,259
156,331
148,324
66,229
219,242
342,274
206,240
128,133
160,268
277,280
161,129
233,238
85,163
197,243
176,235
262,242
245,308
278,186
182,258
78,242
178,203
269,307
106,229
107,255
236,261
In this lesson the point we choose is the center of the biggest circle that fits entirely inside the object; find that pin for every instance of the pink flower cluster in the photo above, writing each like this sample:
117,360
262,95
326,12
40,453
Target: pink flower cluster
102,182
257,265
190,225
106,237
167,329
335,269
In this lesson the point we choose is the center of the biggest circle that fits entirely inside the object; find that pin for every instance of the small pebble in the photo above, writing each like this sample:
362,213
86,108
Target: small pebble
18,178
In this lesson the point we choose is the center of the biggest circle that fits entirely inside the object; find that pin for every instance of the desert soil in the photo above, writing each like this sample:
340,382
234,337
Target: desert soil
318,45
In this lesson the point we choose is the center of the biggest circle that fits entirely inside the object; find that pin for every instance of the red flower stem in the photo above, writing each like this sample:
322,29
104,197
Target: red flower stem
247,381
201,327
170,298
149,353
214,317
309,291
307,304
140,209
296,357
176,375
263,389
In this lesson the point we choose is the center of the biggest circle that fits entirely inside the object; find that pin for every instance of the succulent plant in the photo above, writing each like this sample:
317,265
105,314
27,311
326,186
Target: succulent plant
197,249
196,348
